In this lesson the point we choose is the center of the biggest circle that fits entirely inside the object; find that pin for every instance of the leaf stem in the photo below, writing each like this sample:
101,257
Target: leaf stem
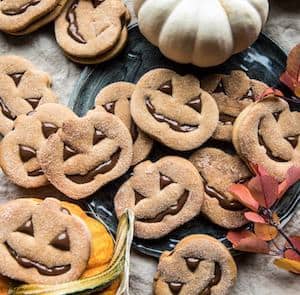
288,240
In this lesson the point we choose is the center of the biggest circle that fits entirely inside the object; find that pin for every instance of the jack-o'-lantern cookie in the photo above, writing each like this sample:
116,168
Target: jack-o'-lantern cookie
42,242
163,196
199,265
232,93
115,99
21,17
18,149
22,89
87,153
219,171
174,110
92,31
266,133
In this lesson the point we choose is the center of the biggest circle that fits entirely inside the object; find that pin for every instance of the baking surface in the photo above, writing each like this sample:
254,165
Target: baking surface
257,275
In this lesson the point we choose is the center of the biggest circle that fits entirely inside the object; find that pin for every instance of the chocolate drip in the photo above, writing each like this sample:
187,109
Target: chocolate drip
220,88
166,88
110,107
34,101
249,94
175,287
138,197
172,123
68,152
26,228
21,9
98,136
41,268
216,279
196,104
192,263
61,241
17,77
226,119
6,111
96,3
48,129
231,205
293,140
100,169
73,29
35,173
164,181
26,153
133,131
173,210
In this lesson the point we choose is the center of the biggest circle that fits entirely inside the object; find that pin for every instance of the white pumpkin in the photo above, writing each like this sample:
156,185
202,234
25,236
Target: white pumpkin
202,32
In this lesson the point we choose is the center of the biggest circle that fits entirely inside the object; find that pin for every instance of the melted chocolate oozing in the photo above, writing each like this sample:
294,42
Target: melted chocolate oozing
96,3
61,241
98,136
34,101
21,9
41,268
196,104
110,107
164,181
192,263
35,173
100,169
166,88
225,203
26,153
172,123
6,111
73,29
220,88
26,228
216,279
175,287
173,210
17,77
226,119
68,152
48,129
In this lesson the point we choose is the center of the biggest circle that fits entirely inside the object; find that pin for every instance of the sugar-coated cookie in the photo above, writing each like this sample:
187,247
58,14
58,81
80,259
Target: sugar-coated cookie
22,89
174,110
163,196
86,153
18,149
92,31
219,171
199,265
115,98
232,93
43,242
266,133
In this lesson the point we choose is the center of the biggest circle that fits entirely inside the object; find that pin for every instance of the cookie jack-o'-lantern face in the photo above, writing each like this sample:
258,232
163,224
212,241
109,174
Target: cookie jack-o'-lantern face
42,243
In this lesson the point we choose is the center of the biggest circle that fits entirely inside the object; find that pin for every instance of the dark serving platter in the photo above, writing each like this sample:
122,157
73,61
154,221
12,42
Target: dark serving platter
264,61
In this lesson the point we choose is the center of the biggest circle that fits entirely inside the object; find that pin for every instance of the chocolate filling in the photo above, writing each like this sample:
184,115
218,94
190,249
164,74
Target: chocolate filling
26,228
100,169
138,197
96,3
41,268
196,104
226,119
21,9
17,77
172,123
34,101
48,129
110,107
133,131
166,88
293,140
164,181
214,281
276,115
68,152
26,153
61,241
6,111
35,173
73,29
249,94
175,287
192,263
173,210
98,136
220,88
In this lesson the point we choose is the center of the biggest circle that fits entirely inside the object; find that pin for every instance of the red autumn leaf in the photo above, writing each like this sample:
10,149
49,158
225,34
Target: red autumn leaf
270,92
293,175
290,253
265,232
248,242
291,77
288,264
254,217
243,195
264,190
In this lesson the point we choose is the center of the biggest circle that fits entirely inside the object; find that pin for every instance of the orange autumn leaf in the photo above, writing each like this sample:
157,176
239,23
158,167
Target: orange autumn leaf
268,92
265,232
254,217
244,196
288,264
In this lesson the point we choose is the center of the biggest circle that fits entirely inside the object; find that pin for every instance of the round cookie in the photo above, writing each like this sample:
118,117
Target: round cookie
21,17
199,265
266,133
87,153
18,149
92,31
163,196
174,110
219,171
42,243
115,99
22,89
232,93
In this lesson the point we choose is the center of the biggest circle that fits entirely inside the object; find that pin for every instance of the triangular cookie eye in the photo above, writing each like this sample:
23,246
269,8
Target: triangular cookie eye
61,241
48,129
6,111
164,181
175,287
138,197
17,77
26,228
33,101
26,153
166,88
195,103
98,136
220,88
